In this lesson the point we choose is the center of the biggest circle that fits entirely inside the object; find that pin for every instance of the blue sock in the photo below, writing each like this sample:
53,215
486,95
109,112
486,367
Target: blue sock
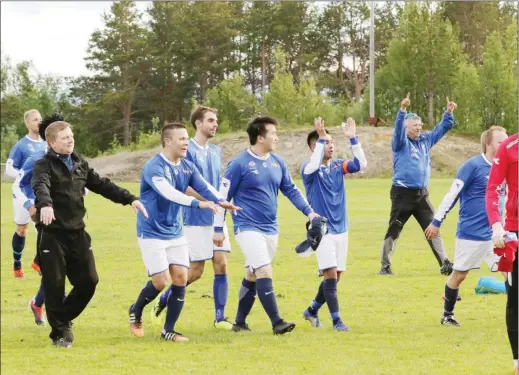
330,294
220,290
148,294
39,298
451,296
268,299
318,301
247,297
18,245
164,296
175,305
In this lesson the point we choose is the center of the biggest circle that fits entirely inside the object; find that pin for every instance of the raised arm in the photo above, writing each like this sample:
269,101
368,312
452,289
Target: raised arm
444,126
399,135
106,188
359,162
317,156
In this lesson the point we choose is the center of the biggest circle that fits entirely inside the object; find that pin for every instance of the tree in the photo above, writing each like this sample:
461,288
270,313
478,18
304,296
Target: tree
118,55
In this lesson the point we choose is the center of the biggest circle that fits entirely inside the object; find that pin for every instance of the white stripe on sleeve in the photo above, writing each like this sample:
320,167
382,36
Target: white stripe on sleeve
358,152
10,170
449,199
16,187
225,185
316,159
169,192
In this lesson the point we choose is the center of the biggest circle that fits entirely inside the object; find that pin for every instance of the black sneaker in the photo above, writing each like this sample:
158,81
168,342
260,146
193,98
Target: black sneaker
385,271
62,342
449,320
283,327
68,334
240,327
446,268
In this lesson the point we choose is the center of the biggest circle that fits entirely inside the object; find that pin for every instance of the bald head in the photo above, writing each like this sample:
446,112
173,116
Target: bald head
32,120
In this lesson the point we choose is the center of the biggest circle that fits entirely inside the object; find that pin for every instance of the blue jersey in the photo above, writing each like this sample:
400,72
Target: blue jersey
324,184
253,184
469,187
412,159
21,151
22,185
208,161
163,185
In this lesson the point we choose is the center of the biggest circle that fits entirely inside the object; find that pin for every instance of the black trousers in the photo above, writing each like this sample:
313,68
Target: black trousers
66,254
404,203
511,310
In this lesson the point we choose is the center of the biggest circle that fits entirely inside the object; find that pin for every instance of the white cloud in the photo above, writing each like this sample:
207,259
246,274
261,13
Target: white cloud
54,35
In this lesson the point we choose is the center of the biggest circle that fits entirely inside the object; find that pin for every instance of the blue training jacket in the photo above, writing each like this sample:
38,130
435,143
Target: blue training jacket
412,159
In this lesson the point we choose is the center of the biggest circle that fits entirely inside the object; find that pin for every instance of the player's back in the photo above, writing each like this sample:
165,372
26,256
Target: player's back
326,194
164,220
208,161
473,221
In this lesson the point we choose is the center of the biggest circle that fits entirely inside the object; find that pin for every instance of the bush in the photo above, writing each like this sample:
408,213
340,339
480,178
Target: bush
9,139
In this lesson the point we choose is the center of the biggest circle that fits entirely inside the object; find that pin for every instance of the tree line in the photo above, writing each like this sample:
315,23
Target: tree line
292,60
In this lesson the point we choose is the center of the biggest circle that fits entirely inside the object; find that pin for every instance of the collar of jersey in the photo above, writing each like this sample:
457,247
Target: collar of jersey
199,145
32,140
169,161
485,158
251,153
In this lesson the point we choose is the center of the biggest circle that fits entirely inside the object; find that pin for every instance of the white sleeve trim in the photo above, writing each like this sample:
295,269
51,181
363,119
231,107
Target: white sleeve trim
449,199
10,170
225,185
316,160
169,192
358,152
17,191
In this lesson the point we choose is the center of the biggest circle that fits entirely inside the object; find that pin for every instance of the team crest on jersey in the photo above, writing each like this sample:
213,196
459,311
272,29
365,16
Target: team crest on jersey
264,165
252,164
321,173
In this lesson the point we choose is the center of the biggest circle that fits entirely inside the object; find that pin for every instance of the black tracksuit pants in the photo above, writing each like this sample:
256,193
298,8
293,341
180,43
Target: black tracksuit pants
511,309
404,203
66,254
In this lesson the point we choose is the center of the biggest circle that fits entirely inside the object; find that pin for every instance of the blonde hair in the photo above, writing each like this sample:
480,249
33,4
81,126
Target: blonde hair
28,113
53,129
486,136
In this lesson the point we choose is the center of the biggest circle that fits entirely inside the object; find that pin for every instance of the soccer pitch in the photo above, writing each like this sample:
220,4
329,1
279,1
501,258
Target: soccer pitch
395,320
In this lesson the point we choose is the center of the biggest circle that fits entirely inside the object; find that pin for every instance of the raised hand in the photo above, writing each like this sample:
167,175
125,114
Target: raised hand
349,128
451,106
319,127
406,102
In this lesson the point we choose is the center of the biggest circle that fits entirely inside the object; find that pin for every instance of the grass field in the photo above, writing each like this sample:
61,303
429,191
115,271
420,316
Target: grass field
394,320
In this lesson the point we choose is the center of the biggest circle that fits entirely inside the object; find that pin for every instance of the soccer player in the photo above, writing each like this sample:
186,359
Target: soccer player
198,224
20,152
474,235
164,248
59,180
504,169
323,178
23,190
411,173
252,180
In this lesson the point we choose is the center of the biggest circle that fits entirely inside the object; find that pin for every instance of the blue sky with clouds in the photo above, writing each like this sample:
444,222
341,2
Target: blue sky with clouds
30,30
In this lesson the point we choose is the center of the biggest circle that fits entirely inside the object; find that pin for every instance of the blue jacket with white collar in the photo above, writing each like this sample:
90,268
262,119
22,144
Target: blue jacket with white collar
412,159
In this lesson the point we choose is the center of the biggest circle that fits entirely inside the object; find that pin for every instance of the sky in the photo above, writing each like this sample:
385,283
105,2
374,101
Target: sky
30,30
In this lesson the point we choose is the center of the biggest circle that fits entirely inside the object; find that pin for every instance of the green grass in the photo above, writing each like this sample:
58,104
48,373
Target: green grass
394,320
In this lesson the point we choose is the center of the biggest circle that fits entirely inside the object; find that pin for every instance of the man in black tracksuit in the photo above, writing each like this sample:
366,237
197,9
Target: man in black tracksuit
59,180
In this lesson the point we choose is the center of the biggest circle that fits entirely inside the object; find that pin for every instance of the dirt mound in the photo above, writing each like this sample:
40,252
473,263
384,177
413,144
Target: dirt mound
447,155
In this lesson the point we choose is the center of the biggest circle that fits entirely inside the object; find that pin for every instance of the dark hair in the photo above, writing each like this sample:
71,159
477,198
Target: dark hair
313,137
199,113
168,129
47,121
258,127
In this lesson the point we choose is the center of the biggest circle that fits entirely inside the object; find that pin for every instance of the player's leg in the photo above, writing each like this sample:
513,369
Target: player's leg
221,283
156,262
53,267
424,214
21,220
451,296
326,258
36,306
511,312
178,258
401,209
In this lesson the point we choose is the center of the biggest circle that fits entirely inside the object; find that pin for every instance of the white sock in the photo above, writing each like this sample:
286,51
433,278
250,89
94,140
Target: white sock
515,363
